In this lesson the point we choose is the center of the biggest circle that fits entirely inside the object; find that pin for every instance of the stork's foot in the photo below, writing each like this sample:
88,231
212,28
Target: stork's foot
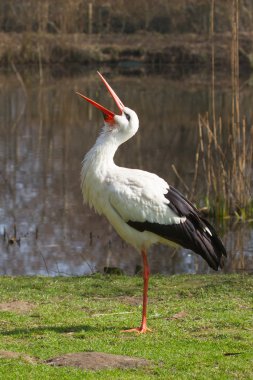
138,330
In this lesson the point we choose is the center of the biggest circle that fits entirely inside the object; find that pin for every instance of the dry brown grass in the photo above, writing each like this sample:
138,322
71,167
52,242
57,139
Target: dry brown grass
226,148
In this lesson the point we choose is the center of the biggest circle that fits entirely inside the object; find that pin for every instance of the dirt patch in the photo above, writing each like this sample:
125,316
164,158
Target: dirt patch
97,361
17,355
182,314
133,301
17,306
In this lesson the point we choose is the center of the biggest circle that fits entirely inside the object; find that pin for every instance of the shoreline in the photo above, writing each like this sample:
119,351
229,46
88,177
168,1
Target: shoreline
191,50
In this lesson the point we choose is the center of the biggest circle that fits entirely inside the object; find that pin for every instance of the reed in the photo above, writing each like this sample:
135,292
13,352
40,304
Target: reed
225,148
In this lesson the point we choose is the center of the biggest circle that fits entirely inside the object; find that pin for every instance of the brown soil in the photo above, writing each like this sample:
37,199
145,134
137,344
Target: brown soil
17,355
84,360
182,314
17,306
133,301
97,361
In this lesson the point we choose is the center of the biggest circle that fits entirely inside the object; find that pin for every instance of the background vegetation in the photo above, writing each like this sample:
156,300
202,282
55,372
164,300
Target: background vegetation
88,31
119,16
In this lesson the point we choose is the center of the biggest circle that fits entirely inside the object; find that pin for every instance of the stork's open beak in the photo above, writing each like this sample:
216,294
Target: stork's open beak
108,115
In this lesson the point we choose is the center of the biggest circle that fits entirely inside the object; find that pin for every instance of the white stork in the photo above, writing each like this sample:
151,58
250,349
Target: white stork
141,206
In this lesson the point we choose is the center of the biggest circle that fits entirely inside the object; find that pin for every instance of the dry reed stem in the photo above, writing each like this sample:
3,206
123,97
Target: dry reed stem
196,170
180,178
226,151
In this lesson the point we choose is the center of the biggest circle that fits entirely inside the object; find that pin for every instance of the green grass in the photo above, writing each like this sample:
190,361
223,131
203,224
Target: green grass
214,340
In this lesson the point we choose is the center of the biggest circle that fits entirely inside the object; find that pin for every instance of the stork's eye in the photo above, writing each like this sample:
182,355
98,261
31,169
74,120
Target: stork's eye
127,116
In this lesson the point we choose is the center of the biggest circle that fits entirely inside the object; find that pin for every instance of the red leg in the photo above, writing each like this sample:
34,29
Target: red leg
143,328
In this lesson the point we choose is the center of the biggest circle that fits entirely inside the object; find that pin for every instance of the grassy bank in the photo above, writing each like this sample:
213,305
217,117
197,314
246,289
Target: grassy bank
202,326
144,48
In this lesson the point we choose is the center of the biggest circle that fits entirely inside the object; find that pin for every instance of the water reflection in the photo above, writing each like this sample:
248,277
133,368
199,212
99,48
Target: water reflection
45,130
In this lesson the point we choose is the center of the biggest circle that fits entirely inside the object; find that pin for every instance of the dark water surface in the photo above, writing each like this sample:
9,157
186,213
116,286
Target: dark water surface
45,130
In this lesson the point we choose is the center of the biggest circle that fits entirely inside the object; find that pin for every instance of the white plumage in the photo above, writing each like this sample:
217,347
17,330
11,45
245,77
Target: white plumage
141,206
123,194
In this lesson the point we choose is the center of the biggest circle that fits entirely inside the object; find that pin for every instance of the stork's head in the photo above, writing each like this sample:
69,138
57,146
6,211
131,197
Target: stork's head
125,124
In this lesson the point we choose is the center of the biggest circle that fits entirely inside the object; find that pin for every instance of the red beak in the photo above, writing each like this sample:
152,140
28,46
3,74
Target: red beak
108,115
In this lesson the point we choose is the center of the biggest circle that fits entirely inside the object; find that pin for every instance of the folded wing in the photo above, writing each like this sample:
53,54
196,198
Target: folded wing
162,210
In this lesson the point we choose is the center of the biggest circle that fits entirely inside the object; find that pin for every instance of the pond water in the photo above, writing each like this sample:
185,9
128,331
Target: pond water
46,129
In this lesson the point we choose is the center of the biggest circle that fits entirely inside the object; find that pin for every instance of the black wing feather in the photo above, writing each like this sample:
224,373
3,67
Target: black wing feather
196,233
